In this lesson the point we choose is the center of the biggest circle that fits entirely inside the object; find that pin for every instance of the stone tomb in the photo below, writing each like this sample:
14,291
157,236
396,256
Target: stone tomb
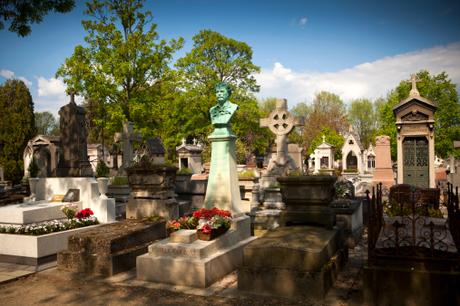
302,261
111,248
184,260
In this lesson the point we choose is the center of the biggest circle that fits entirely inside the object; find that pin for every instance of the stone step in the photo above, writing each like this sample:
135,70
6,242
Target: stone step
239,231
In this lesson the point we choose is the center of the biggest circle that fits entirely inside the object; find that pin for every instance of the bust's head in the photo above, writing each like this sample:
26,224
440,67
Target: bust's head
223,92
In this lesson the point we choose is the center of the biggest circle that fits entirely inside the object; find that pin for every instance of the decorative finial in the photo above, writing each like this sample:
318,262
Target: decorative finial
72,96
194,141
183,141
324,139
350,129
414,80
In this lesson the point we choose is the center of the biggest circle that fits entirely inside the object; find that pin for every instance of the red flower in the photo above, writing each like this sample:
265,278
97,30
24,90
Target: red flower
207,214
206,229
84,213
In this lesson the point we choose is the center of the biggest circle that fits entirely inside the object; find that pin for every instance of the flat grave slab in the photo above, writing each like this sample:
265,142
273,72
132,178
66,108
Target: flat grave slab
32,212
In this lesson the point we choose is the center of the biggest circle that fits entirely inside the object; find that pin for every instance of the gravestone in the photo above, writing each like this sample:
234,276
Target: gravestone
74,159
189,156
415,139
281,122
127,137
323,158
45,150
383,172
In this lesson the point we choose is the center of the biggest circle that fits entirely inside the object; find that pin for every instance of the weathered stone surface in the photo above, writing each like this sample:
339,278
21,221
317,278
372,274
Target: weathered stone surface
183,236
111,248
144,208
302,261
197,264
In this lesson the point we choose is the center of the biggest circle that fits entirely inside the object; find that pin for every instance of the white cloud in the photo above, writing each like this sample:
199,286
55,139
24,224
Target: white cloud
52,95
50,87
303,21
8,74
367,80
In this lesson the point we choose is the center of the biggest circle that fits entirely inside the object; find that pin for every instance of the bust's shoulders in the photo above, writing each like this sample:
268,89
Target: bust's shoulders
232,106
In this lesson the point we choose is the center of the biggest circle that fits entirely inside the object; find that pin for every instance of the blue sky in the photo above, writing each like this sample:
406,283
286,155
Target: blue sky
353,48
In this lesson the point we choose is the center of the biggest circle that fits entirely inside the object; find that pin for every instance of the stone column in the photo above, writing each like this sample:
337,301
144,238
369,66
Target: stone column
223,188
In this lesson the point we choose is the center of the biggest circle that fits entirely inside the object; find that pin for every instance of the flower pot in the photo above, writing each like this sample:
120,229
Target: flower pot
212,235
103,183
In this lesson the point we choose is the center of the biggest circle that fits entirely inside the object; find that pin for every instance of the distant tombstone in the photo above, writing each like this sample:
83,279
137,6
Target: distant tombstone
189,156
153,148
127,137
45,150
415,139
323,157
74,159
383,172
281,122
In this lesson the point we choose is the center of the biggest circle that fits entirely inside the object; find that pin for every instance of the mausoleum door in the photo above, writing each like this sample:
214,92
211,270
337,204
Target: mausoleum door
415,161
352,161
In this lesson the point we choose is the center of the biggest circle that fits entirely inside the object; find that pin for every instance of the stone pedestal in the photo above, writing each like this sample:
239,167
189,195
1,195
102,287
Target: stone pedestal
349,218
383,172
223,188
104,209
183,260
292,261
138,208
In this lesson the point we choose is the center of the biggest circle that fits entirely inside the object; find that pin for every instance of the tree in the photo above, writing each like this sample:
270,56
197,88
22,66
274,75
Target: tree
215,58
25,12
122,60
17,127
46,124
363,119
439,89
327,111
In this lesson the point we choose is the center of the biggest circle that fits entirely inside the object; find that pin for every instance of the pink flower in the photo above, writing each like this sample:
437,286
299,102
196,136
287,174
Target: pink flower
206,229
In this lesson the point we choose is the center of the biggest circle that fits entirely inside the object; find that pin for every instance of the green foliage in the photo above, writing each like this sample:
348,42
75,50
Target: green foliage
120,180
246,174
331,137
363,119
123,59
33,168
185,170
46,124
101,169
327,111
439,89
25,12
17,127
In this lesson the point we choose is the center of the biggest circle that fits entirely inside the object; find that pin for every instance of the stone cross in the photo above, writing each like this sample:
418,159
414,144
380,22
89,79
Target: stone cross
414,90
127,137
281,122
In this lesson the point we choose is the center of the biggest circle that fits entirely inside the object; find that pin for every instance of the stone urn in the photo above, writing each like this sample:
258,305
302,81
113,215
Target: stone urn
307,199
33,182
103,185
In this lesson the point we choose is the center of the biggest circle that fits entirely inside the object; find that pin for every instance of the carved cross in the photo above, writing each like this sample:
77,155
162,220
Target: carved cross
414,90
127,137
281,122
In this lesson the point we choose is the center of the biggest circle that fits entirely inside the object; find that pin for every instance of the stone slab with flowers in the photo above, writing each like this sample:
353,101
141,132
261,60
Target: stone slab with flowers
192,256
38,243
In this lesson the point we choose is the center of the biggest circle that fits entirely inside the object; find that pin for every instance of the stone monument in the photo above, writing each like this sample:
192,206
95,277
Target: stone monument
223,188
127,137
74,159
184,260
383,172
415,139
189,156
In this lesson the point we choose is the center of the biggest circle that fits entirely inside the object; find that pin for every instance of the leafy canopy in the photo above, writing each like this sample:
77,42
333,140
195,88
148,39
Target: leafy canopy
25,12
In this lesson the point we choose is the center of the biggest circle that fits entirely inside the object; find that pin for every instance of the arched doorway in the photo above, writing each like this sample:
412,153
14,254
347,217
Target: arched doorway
352,161
415,161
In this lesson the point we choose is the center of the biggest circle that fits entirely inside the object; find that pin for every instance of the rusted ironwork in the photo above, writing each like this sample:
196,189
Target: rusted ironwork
407,231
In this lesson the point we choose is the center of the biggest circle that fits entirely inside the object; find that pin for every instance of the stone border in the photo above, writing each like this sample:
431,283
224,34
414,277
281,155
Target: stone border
30,249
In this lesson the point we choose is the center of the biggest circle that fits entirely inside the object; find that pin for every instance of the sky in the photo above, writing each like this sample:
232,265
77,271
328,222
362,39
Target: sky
354,48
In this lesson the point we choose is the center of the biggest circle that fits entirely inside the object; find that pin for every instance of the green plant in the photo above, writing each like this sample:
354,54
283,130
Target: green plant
33,168
120,180
350,170
246,174
155,218
295,173
185,170
101,169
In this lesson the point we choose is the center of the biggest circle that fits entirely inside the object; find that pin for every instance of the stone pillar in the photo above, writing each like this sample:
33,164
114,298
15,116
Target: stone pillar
223,187
383,168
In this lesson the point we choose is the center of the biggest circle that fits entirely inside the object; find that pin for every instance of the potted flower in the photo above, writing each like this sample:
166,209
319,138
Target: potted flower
209,223
212,222
102,173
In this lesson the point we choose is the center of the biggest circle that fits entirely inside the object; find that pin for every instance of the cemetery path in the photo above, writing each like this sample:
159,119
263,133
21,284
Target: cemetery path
55,287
